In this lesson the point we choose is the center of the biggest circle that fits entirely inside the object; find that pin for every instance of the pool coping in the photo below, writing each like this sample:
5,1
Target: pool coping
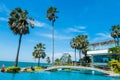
109,73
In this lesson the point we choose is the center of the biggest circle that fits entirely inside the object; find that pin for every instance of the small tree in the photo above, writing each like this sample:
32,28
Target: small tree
86,60
115,66
48,59
114,52
57,61
39,52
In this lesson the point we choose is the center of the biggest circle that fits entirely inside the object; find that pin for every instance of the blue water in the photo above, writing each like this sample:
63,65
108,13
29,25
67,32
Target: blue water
61,75
21,64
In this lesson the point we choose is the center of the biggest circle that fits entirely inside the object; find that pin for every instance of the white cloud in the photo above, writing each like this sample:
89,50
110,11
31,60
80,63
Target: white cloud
32,41
55,36
46,35
101,37
80,27
3,19
62,37
38,23
104,35
73,30
77,29
3,8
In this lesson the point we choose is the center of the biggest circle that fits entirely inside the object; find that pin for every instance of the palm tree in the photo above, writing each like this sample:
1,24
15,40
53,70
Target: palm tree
19,24
82,44
51,15
39,52
48,59
114,53
73,44
115,33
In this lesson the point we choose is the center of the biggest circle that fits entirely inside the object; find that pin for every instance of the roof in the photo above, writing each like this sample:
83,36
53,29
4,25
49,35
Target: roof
97,52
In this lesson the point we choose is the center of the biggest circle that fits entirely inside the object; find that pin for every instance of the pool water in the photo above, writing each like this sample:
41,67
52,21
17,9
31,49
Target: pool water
59,75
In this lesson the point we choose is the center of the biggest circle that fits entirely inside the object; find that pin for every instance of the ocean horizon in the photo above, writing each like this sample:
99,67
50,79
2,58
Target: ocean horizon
22,64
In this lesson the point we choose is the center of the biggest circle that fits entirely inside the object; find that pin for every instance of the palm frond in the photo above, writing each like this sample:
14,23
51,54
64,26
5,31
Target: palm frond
18,21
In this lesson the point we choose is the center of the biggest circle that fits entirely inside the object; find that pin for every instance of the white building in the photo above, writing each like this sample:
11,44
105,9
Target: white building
99,57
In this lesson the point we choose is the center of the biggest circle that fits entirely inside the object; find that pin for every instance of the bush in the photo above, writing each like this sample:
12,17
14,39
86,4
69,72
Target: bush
38,68
13,69
115,66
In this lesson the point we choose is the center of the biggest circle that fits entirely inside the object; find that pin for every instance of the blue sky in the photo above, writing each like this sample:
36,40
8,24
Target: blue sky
91,17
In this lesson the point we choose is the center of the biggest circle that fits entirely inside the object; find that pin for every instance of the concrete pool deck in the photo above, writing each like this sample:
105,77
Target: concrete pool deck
110,73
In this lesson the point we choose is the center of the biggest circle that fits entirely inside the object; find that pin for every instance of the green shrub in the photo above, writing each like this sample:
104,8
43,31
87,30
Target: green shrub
38,68
115,66
13,69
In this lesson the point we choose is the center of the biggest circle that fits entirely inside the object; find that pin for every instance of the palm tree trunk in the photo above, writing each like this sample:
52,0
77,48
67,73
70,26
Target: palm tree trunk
16,61
117,41
85,58
38,61
53,42
75,56
80,56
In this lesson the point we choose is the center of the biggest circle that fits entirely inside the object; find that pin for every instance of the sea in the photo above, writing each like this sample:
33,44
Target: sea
22,64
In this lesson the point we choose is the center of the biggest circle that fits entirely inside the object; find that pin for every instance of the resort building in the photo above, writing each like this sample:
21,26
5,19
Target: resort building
99,57
99,53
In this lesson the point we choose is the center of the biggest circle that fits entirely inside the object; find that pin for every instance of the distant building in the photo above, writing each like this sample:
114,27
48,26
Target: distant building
99,57
99,52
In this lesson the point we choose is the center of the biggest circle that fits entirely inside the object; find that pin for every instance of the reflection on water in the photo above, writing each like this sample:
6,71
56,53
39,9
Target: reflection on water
34,76
13,76
61,75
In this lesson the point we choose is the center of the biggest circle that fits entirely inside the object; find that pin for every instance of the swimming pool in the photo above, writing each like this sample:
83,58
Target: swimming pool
59,75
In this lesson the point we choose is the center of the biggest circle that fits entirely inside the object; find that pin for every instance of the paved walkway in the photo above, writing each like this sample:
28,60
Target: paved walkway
81,67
